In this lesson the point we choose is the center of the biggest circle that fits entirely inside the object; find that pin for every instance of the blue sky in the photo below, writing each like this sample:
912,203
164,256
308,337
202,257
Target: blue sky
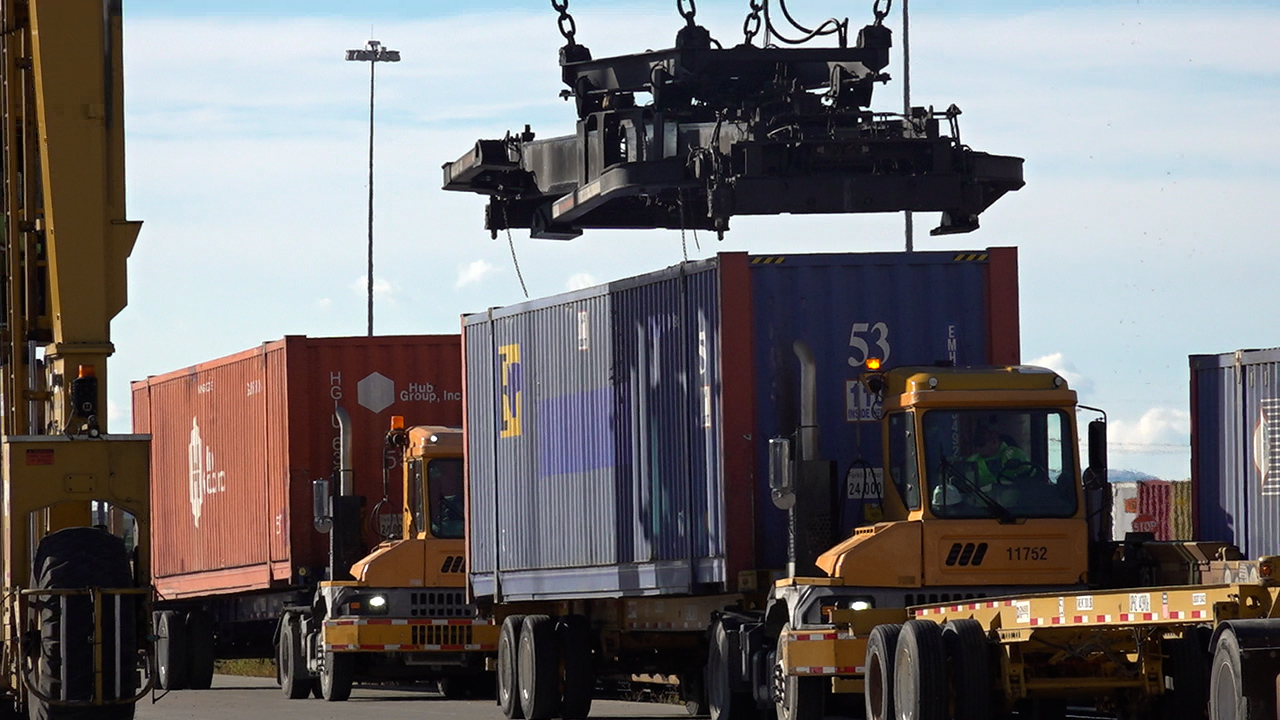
1151,132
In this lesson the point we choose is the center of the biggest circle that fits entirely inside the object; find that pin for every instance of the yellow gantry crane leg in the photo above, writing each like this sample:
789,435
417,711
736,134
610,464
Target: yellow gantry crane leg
66,241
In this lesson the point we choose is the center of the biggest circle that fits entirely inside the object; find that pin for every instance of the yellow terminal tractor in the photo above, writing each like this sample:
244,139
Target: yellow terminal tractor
403,614
991,533
76,518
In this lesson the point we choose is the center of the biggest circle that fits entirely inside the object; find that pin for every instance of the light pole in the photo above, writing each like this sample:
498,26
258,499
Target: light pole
372,53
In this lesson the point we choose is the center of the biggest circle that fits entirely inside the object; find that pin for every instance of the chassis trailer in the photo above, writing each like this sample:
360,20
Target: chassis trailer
1161,652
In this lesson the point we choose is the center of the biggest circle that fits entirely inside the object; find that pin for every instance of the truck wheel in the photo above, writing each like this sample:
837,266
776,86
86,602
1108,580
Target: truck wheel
882,645
295,681
694,694
802,698
579,675
538,668
920,671
171,651
199,627
1186,667
1227,700
70,559
508,680
337,676
723,701
969,666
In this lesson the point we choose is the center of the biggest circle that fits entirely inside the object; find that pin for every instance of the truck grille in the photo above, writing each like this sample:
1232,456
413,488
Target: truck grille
441,634
440,604
935,598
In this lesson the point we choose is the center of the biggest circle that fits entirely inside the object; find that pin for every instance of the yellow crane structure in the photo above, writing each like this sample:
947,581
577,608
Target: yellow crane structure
67,576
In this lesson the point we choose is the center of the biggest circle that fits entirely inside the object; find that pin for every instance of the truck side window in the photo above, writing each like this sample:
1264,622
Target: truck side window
444,483
902,459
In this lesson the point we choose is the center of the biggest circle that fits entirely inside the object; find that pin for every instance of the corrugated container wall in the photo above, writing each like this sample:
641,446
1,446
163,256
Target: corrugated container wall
1235,448
622,429
237,441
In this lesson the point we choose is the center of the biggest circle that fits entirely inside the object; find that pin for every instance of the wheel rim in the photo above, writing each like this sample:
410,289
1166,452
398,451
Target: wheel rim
875,686
504,670
1224,692
904,689
524,661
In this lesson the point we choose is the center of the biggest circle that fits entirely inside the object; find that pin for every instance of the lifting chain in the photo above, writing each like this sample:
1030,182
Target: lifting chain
689,14
569,28
880,14
751,26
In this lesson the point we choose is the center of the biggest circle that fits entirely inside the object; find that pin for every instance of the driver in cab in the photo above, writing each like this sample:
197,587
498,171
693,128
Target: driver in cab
992,470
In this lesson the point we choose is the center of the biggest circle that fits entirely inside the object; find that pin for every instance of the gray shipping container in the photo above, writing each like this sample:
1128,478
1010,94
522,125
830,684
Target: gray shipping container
1235,449
616,436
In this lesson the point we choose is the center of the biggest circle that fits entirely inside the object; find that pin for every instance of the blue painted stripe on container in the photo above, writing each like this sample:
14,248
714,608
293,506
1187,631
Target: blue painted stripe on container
576,432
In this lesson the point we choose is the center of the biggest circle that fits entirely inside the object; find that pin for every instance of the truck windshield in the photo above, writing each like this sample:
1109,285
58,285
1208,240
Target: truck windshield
1003,464
444,484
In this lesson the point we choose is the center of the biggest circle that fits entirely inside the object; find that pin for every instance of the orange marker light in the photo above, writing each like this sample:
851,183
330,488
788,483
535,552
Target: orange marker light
397,422
873,363
87,371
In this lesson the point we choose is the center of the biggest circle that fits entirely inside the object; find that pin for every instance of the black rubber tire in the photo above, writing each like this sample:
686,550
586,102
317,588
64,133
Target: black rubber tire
803,698
579,680
723,702
1227,699
508,675
1186,666
171,651
693,692
538,666
920,672
200,649
968,670
338,676
79,558
882,645
295,681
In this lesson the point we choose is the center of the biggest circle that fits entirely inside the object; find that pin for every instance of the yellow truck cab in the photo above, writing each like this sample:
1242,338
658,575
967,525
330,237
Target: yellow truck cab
405,616
982,486
982,497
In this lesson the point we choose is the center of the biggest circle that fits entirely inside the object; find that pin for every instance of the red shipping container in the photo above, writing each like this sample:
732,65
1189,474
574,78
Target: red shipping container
1155,500
237,442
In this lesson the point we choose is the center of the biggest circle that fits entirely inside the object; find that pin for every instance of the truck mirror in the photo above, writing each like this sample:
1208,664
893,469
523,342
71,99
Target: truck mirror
781,479
322,512
1097,471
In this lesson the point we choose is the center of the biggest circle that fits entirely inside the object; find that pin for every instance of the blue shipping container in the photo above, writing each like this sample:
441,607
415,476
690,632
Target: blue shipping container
616,436
1235,449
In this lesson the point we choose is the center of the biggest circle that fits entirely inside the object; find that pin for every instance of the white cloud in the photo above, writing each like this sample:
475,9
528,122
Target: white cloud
381,288
474,272
1159,430
1058,363
324,303
581,280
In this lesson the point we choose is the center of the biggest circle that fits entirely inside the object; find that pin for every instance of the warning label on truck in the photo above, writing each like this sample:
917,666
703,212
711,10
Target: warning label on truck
1139,602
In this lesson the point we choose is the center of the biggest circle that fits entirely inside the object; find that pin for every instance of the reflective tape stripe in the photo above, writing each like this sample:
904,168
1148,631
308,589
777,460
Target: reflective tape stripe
1137,617
408,648
829,670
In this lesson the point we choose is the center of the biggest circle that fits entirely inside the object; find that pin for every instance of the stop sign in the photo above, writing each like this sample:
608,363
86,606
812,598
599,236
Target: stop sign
1144,523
